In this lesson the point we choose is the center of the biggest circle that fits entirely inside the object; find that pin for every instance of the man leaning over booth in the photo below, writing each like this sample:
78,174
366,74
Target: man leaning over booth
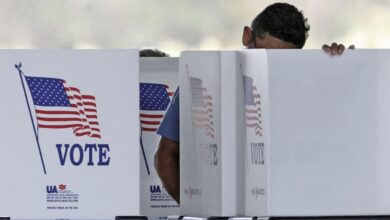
279,26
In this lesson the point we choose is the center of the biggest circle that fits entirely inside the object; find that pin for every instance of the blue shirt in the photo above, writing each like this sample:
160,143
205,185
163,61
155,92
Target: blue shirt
170,125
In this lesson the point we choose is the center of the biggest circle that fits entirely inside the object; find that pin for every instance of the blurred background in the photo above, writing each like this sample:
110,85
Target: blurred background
177,25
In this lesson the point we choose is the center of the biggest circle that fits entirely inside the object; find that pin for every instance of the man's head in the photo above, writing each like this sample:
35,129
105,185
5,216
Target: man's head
152,53
280,25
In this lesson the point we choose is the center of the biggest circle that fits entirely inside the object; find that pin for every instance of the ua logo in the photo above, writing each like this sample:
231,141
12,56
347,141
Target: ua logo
51,189
155,189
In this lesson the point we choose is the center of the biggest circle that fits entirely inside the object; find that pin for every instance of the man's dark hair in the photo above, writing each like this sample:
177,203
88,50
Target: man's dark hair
152,53
283,21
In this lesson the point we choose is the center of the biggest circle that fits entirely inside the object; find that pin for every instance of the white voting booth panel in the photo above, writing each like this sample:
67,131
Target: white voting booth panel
69,135
255,86
315,133
323,148
159,80
211,134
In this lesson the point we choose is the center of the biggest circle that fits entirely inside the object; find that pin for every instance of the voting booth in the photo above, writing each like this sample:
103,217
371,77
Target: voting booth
69,134
264,133
211,138
315,128
158,82
325,146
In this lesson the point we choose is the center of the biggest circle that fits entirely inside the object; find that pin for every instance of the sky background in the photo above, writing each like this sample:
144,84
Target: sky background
177,25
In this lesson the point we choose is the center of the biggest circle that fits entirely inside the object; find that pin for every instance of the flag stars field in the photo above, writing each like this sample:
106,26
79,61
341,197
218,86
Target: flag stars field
154,100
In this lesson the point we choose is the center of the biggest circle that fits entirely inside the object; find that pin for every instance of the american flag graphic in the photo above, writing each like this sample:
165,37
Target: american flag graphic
202,107
60,106
154,101
252,106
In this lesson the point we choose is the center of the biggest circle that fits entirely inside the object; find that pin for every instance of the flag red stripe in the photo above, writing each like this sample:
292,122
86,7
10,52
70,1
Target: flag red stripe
151,116
78,97
83,133
150,122
149,129
89,103
95,136
82,128
59,126
90,110
88,97
253,125
253,118
253,111
74,89
58,119
57,112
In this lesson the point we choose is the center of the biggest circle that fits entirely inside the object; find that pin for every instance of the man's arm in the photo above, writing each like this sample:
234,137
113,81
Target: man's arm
166,162
166,158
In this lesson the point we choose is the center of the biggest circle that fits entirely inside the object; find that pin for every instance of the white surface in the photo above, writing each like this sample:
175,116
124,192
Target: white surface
208,163
328,133
324,121
255,68
104,191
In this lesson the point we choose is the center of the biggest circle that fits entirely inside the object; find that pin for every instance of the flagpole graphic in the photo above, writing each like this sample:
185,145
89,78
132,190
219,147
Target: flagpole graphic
19,66
143,153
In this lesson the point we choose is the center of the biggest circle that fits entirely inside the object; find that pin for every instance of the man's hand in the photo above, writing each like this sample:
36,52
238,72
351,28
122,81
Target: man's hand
167,164
335,48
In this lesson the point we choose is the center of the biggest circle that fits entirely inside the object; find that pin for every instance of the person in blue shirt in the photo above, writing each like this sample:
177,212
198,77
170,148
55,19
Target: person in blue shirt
279,26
